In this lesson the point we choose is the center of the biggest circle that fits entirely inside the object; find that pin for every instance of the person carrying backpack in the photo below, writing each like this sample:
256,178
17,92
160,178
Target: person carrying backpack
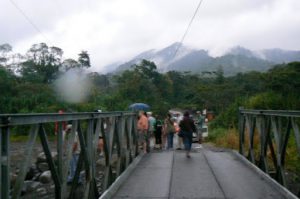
169,129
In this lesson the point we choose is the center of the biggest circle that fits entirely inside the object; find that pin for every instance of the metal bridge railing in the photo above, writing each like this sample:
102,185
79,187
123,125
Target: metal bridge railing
118,130
273,129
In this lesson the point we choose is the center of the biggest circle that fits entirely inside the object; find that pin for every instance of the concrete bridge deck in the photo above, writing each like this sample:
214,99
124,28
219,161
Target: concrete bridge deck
207,174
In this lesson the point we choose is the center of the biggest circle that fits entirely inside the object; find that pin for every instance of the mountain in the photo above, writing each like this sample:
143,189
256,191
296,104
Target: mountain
192,61
281,56
235,60
239,50
162,58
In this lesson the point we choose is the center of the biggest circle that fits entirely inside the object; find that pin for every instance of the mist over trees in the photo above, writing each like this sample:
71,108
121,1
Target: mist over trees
26,84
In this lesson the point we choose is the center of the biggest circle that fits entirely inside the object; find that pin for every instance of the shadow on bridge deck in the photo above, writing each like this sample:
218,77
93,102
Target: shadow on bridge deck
207,174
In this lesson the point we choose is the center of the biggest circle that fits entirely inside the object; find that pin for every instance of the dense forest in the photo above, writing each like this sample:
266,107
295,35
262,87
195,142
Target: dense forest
27,84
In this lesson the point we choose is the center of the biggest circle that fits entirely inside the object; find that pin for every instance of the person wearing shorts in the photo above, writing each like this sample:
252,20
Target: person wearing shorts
142,127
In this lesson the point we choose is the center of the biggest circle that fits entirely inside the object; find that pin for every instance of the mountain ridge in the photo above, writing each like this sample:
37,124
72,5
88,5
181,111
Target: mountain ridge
236,59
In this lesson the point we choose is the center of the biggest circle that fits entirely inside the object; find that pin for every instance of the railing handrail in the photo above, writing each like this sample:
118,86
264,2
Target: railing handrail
24,119
283,113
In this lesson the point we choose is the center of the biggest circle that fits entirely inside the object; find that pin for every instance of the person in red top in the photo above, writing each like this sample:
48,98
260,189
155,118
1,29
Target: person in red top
64,126
142,127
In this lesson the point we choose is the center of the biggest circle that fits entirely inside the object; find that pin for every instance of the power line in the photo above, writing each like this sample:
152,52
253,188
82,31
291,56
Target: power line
29,20
187,29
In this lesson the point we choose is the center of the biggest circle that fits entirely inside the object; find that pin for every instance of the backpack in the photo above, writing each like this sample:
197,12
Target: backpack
170,127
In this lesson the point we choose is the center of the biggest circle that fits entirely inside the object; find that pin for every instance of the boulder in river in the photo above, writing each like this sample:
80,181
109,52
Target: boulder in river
33,171
30,186
42,157
45,177
43,166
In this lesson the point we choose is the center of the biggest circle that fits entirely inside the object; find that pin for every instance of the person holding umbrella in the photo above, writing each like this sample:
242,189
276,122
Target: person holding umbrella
142,127
139,107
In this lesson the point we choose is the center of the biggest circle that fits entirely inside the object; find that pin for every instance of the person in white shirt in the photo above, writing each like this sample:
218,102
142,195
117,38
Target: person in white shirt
152,122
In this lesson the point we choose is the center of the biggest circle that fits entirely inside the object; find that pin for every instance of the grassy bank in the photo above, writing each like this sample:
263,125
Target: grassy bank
24,138
227,138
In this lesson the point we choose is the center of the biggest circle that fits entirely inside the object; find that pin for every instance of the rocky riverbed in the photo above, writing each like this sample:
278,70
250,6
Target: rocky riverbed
38,181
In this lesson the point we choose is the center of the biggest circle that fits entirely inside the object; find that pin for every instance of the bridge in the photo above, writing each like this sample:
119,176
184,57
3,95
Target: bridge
210,172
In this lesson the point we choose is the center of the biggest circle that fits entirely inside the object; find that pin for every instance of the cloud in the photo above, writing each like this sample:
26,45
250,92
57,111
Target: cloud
117,30
267,25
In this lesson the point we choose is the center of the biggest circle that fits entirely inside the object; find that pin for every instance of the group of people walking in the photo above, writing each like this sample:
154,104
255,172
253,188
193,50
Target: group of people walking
163,132
149,128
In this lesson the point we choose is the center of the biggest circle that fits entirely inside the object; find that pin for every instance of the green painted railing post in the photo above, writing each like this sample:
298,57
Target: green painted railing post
5,162
274,128
88,127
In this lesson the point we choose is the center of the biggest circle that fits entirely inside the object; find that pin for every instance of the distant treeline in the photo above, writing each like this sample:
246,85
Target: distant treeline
26,85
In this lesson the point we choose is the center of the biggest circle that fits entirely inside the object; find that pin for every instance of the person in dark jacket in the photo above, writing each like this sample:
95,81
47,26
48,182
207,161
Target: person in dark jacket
158,133
187,126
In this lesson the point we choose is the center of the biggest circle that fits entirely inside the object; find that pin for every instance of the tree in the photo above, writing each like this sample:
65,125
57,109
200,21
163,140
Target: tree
4,50
42,63
55,55
84,59
7,87
70,64
146,68
284,78
220,75
100,81
38,54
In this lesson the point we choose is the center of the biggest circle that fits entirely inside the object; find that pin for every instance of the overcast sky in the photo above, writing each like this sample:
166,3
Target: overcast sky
116,30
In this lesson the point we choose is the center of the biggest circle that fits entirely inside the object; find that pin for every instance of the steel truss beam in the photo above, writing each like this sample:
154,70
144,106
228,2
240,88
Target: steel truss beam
119,133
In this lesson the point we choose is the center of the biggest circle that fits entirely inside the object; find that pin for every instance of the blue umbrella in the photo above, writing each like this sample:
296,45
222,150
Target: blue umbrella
139,107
